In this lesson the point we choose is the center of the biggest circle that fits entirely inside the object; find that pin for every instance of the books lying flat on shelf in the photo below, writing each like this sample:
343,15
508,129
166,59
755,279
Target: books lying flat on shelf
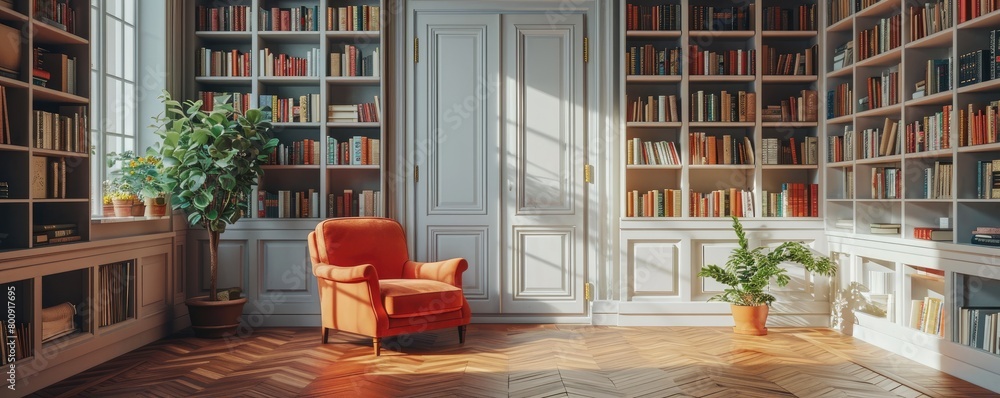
940,234
845,223
988,236
4,190
55,233
364,113
884,228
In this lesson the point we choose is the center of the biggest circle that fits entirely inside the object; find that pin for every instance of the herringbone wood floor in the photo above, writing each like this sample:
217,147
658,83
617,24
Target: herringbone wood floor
519,361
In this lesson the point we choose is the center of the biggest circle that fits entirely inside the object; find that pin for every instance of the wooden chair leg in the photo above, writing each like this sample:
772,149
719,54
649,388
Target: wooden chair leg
326,333
377,343
461,334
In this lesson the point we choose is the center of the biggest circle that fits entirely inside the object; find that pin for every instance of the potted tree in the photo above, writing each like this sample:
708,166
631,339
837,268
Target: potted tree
210,162
749,272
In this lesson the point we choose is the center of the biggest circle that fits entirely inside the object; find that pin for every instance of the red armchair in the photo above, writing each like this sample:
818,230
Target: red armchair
369,286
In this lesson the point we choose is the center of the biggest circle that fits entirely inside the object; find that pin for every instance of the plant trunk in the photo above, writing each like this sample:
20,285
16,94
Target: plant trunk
213,250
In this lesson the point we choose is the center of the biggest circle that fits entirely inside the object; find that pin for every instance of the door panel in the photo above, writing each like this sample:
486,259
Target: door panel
543,160
456,140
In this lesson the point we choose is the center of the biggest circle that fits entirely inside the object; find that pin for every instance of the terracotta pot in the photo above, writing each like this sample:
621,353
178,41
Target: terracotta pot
108,211
214,319
123,207
750,320
156,207
138,209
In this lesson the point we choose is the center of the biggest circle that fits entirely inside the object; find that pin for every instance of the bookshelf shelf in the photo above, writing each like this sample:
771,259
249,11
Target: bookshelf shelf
8,82
654,124
788,124
50,152
654,167
48,94
653,34
354,167
11,201
789,79
942,98
979,200
77,200
720,78
788,34
929,154
721,166
290,167
17,148
844,71
889,110
722,34
229,80
290,80
983,21
7,14
880,160
290,37
843,25
722,124
840,119
354,124
891,57
222,35
846,163
989,85
653,79
878,9
789,166
937,39
45,34
351,80
353,35
293,125
994,147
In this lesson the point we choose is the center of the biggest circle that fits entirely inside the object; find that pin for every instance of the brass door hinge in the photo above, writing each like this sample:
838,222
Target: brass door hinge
588,174
416,173
588,291
416,49
586,49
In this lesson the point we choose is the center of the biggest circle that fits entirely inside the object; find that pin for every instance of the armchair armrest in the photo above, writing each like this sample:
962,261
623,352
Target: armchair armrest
355,274
447,271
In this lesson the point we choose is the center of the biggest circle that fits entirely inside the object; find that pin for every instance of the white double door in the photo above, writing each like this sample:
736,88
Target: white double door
498,106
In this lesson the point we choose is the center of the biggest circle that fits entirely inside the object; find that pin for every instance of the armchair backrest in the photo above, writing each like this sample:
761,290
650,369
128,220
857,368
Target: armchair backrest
354,241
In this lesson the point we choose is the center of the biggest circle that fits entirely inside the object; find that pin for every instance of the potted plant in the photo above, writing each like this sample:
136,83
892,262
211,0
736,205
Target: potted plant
749,272
210,162
143,175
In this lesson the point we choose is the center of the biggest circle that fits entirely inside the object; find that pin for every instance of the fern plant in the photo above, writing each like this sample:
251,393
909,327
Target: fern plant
748,272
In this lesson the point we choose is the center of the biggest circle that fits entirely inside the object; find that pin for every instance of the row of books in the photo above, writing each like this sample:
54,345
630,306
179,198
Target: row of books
4,190
285,204
794,200
239,101
937,180
304,109
54,233
658,17
722,203
709,149
366,203
937,78
286,65
722,18
986,236
838,10
879,282
887,183
841,148
935,234
883,90
641,152
971,9
884,228
802,17
877,142
352,62
805,150
737,62
357,150
929,18
723,107
930,133
801,63
116,293
57,13
988,179
654,203
978,127
57,69
884,36
222,19
305,152
843,55
648,60
365,113
48,177
977,327
653,108
293,19
848,182
978,66
361,18
802,108
232,63
927,315
63,131
839,101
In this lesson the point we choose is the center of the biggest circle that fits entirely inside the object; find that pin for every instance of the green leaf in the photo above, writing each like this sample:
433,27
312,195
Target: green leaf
212,215
202,200
227,181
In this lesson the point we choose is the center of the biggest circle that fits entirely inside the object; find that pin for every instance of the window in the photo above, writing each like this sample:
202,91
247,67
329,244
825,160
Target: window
113,105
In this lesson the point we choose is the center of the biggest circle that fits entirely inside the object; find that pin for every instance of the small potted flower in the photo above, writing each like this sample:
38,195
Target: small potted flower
143,175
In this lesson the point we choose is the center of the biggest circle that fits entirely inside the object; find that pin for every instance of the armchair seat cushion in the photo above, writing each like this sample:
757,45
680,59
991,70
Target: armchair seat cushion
417,297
